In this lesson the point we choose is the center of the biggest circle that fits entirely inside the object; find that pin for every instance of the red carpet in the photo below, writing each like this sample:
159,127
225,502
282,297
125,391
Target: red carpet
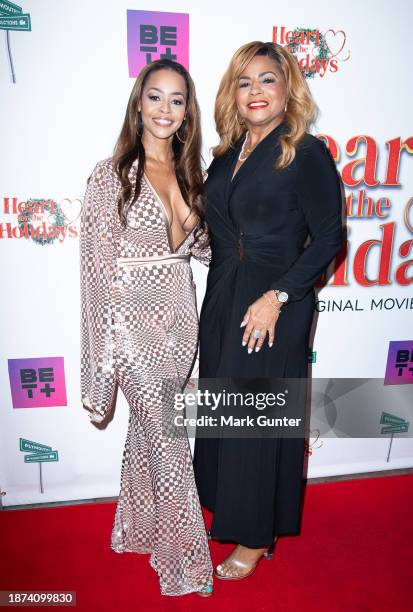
355,553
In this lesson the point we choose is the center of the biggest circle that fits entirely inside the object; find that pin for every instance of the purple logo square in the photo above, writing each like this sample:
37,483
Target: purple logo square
153,35
37,382
399,370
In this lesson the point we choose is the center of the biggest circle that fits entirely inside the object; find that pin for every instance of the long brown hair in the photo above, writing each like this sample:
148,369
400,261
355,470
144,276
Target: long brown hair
187,154
301,108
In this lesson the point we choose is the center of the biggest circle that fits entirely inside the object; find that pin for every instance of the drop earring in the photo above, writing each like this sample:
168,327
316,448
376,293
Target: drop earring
240,119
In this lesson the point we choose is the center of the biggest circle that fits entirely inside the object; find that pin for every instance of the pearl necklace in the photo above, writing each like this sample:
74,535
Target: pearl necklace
243,150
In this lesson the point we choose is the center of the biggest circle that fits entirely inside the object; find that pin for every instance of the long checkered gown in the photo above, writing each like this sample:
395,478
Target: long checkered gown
139,327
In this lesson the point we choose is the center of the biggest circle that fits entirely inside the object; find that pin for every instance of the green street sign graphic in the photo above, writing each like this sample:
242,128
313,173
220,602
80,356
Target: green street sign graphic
13,18
27,446
386,417
39,453
394,424
395,428
19,23
8,8
52,456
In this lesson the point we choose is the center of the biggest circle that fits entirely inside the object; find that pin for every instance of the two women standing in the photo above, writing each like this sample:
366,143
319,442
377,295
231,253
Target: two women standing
269,186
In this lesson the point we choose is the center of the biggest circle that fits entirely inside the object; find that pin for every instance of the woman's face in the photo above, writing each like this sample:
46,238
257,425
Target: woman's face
261,93
163,103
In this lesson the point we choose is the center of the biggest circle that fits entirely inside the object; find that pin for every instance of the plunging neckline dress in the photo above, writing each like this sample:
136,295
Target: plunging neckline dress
139,333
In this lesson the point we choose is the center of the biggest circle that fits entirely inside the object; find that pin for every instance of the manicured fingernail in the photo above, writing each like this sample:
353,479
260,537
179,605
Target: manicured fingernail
244,343
270,344
243,324
249,351
257,348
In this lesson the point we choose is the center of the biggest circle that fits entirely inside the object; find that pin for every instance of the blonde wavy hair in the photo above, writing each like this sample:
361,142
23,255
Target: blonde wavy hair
301,109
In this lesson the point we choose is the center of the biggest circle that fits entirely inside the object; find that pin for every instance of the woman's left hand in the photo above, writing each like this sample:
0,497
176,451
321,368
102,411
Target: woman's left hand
261,317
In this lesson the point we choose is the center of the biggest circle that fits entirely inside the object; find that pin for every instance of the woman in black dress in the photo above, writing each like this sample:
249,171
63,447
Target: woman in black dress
270,186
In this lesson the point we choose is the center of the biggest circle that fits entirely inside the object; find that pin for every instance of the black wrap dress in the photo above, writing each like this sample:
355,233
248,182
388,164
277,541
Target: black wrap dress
259,222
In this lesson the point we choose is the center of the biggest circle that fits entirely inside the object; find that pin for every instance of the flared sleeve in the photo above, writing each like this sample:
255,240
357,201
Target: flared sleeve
320,199
97,261
200,249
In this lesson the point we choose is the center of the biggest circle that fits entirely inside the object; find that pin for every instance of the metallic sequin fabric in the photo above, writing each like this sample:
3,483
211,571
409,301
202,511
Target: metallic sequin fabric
139,330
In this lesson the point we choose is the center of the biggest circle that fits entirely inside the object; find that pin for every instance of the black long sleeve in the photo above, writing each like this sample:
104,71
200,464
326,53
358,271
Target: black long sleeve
319,197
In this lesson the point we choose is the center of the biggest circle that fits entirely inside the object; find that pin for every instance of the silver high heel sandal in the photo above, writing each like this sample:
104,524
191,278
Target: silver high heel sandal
206,592
268,554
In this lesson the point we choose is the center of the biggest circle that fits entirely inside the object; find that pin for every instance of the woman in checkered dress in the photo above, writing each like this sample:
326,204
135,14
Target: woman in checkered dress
141,221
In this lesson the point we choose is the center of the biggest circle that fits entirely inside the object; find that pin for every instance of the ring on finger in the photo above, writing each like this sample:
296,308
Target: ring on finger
256,334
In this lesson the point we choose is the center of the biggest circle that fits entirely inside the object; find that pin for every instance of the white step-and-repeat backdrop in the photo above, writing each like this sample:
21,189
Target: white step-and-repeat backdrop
66,71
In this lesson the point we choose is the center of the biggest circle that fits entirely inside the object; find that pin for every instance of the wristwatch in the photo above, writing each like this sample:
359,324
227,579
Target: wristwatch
282,296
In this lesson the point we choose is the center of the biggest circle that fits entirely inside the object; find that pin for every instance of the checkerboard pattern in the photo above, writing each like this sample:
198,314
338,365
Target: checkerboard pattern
139,328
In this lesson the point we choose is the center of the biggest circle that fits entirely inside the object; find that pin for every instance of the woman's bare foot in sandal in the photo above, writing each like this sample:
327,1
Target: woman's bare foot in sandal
241,563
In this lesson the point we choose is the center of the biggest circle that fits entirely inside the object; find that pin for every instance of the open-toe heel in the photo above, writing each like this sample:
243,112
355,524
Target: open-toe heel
206,592
269,554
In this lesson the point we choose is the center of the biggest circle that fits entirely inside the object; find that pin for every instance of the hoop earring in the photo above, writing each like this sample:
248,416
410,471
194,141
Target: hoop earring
139,126
179,138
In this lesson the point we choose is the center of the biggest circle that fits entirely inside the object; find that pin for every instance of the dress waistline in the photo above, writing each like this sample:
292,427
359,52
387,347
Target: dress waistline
172,258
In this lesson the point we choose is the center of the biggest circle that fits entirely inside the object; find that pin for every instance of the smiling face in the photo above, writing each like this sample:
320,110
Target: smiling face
261,93
163,103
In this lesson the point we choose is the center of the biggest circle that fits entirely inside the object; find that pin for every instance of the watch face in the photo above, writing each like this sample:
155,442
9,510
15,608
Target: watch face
282,296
